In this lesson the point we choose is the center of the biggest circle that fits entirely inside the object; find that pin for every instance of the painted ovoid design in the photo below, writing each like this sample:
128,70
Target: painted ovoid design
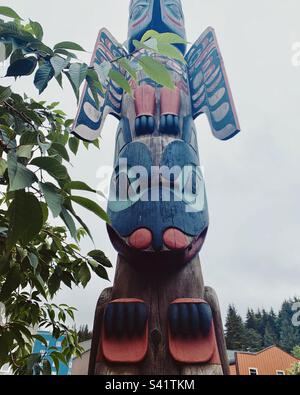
156,136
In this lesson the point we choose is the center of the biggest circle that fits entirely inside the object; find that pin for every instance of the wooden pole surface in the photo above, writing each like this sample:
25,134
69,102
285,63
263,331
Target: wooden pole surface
157,292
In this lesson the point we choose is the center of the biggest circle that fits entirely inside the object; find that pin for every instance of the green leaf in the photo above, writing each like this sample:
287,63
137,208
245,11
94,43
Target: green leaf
9,12
53,198
41,339
84,274
5,93
22,67
12,282
3,167
42,77
74,144
26,219
69,45
25,151
45,211
77,73
61,150
150,34
56,362
37,30
68,220
170,51
100,257
33,260
79,186
91,206
19,176
59,64
54,284
65,53
99,270
171,38
156,71
120,80
52,166
125,63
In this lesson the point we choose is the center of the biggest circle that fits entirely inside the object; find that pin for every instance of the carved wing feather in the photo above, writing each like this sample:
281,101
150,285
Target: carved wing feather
90,117
210,90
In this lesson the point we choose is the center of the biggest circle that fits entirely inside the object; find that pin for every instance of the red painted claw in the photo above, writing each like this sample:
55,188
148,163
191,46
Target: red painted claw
141,239
174,239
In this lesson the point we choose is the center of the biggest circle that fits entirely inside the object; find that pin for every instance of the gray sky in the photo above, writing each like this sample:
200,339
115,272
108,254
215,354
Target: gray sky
251,255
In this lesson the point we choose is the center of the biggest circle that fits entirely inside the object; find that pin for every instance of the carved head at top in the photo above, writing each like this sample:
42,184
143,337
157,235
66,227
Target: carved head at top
160,15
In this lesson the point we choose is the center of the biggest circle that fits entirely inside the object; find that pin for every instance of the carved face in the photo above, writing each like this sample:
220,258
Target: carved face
160,15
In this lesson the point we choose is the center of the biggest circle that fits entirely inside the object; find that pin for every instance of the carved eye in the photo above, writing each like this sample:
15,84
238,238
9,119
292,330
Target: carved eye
137,11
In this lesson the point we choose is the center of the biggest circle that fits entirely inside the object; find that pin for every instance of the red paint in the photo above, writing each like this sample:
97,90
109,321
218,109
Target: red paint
144,100
175,239
170,101
141,239
194,350
140,20
124,350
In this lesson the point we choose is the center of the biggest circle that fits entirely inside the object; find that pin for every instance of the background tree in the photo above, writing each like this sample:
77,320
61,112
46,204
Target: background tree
235,330
84,333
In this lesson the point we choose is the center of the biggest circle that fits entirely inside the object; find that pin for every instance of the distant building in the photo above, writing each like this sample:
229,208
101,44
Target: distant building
80,366
41,348
269,362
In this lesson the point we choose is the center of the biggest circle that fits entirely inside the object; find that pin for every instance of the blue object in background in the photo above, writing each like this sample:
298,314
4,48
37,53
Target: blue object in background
39,347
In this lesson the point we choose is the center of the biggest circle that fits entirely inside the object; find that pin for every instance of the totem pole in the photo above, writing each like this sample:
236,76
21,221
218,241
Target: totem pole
159,318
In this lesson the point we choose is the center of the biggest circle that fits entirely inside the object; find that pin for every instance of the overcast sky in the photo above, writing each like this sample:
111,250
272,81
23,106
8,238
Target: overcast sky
251,255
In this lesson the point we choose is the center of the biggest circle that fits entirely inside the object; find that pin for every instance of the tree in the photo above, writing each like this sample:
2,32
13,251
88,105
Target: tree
294,370
289,335
296,352
252,340
252,321
35,148
84,333
235,330
270,337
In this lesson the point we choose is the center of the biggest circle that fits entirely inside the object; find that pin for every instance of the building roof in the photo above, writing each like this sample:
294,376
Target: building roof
267,362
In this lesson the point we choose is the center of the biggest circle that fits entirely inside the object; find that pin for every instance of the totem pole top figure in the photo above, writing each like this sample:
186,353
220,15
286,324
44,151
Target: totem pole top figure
157,205
163,16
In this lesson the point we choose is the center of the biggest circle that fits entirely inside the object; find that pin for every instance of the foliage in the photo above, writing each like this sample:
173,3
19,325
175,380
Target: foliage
28,55
35,149
296,352
294,370
235,331
263,329
35,258
84,333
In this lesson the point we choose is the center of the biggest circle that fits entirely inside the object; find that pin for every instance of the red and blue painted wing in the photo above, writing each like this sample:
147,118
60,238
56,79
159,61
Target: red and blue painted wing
210,90
90,116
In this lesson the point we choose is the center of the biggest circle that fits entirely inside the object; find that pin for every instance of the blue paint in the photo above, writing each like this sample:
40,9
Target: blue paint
151,14
210,85
39,347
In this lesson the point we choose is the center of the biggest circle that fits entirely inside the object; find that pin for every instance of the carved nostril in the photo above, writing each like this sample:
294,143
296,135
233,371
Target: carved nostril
141,239
175,239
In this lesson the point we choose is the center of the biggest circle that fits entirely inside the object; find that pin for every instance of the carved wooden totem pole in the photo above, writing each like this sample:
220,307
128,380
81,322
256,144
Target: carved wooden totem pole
159,318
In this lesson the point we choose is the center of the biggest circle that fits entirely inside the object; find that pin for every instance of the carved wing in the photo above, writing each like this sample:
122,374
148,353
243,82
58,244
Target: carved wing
90,117
209,86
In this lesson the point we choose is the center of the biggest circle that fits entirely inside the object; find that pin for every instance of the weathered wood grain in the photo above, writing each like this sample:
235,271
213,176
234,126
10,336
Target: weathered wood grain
158,292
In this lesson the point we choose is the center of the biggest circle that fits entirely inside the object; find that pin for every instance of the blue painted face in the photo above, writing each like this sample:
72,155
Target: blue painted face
160,15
